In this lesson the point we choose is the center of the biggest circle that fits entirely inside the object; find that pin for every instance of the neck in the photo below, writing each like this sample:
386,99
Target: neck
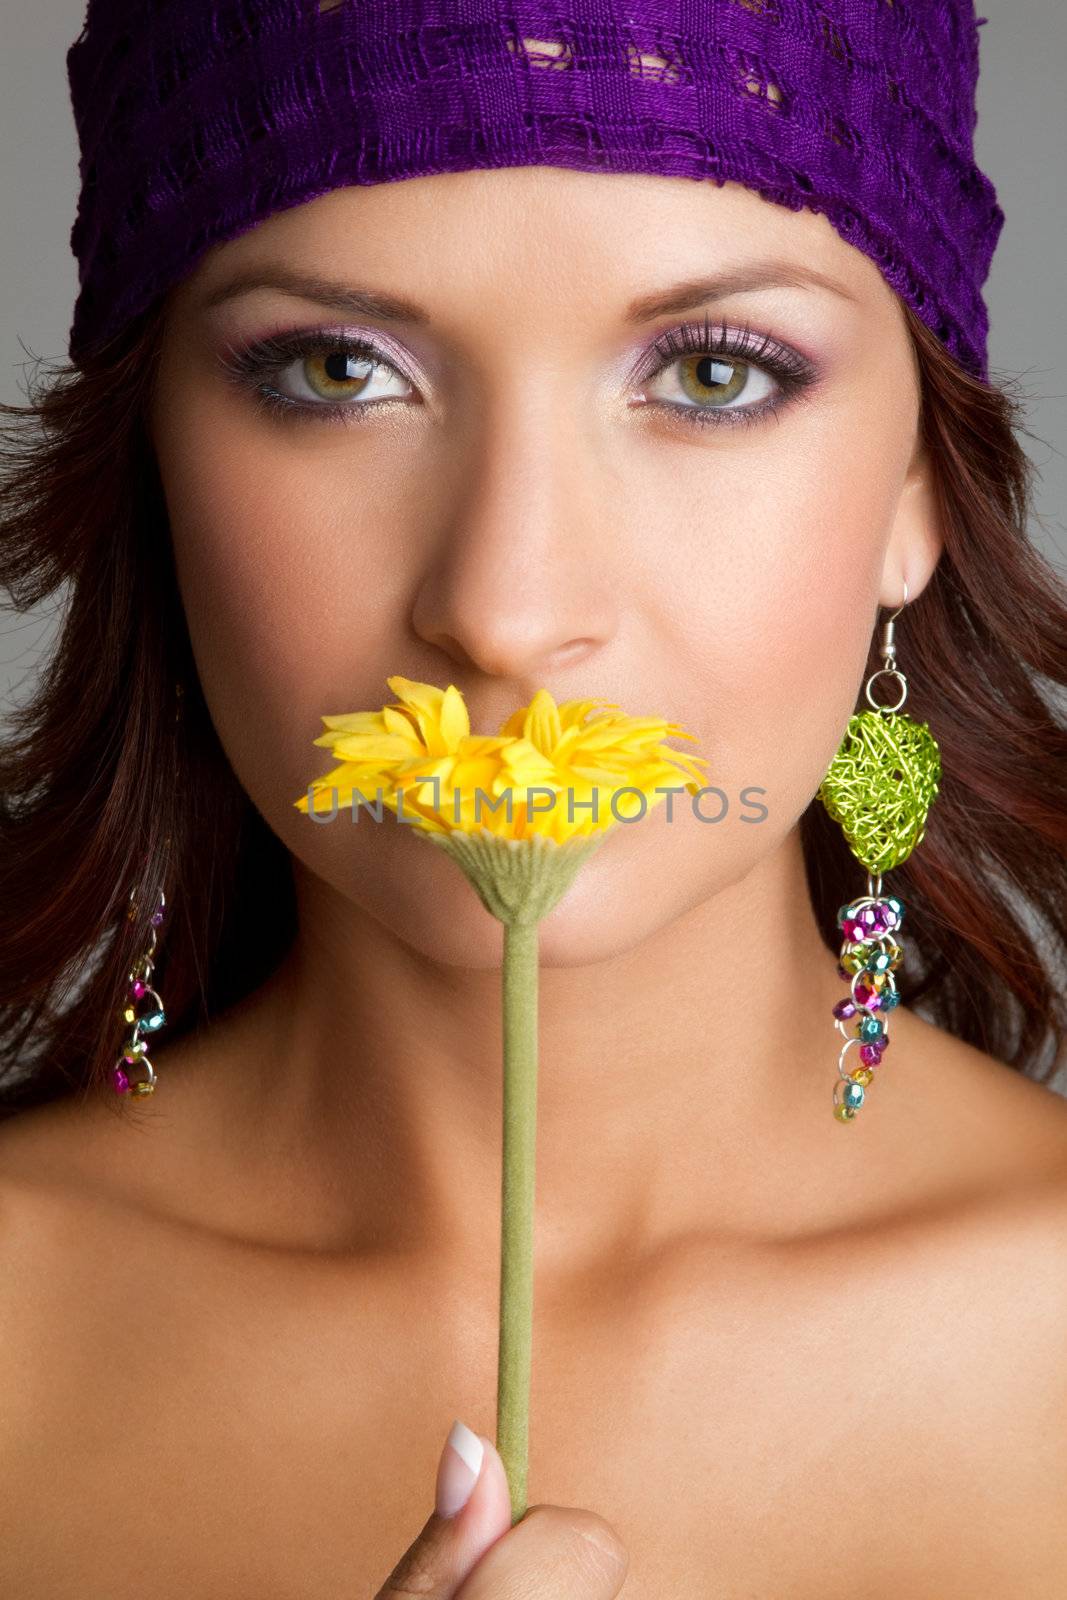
683,1085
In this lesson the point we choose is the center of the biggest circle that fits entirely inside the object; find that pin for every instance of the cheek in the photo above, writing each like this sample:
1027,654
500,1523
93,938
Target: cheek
768,605
288,589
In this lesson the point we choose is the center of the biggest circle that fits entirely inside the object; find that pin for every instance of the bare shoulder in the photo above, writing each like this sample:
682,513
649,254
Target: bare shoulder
78,1177
995,1144
94,1147
993,1118
61,1151
72,1172
46,1237
57,1162
971,1255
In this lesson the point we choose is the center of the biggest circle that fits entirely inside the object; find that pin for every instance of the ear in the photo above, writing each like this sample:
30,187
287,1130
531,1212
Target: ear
917,539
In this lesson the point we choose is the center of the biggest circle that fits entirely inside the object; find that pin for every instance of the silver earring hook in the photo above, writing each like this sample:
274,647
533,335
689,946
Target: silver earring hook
901,606
888,652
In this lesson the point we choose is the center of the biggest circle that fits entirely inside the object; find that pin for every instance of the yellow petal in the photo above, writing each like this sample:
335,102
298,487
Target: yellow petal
542,725
455,724
425,697
423,701
400,722
355,721
367,747
572,712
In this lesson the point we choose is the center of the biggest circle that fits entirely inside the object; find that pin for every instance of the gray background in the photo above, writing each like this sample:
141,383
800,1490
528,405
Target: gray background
1021,143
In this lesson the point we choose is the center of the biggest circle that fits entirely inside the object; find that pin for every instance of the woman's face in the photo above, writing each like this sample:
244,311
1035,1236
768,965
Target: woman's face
540,479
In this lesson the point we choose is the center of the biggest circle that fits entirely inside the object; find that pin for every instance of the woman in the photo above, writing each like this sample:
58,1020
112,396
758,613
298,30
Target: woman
773,1355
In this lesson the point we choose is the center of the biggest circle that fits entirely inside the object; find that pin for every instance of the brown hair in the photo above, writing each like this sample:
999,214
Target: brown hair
105,787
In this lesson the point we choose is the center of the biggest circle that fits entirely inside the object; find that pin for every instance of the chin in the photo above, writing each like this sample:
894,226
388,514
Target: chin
631,887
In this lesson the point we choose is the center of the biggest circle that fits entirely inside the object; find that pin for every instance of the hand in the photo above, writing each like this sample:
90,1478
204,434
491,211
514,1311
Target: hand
468,1549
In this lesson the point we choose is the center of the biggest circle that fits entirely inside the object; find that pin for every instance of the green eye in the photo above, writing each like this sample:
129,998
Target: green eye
715,374
337,375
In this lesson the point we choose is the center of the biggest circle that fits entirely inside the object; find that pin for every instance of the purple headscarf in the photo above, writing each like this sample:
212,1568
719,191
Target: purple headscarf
199,118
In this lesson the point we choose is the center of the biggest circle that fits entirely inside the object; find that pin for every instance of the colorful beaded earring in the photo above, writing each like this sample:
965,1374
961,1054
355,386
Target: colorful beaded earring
143,1011
878,788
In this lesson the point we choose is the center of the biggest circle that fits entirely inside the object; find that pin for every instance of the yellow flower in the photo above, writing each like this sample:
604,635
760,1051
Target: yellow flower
570,750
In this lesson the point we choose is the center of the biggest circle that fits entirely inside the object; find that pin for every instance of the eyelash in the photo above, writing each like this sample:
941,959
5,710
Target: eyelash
793,373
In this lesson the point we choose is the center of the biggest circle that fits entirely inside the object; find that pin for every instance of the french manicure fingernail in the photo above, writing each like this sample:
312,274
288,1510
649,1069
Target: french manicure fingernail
458,1469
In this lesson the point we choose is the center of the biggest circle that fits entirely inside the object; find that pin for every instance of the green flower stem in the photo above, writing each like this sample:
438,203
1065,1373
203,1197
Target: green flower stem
517,1215
519,881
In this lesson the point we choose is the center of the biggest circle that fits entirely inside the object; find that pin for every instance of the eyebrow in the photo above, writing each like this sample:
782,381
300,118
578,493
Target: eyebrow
679,297
741,280
363,302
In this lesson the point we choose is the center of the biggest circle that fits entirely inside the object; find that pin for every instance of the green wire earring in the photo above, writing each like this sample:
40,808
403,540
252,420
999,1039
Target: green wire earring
878,788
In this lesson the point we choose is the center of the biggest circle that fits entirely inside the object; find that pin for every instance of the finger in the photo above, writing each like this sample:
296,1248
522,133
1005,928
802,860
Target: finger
472,1509
553,1553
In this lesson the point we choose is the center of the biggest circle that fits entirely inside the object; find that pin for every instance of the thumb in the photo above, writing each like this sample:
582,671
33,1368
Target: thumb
472,1509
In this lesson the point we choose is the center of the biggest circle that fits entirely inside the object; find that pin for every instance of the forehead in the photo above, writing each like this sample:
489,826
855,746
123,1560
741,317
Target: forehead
587,234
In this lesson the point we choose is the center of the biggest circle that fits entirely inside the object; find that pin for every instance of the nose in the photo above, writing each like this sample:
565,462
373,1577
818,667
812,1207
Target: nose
520,580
